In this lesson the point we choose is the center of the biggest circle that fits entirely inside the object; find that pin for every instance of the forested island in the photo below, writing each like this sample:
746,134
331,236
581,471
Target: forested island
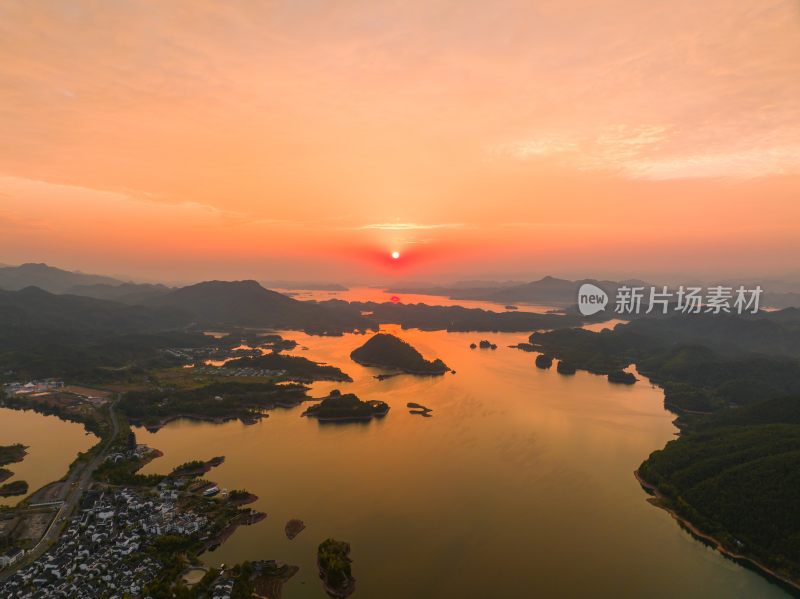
346,408
17,487
333,560
216,402
10,454
387,351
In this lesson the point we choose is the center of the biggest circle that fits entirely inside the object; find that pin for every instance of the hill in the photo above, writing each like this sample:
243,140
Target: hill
389,351
246,303
127,293
49,335
33,310
736,477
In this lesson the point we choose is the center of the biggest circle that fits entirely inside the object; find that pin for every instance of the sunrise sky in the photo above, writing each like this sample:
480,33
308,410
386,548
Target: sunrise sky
309,139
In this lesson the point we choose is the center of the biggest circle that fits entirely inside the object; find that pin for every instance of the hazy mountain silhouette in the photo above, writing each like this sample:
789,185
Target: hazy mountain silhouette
547,291
35,309
247,303
48,278
127,293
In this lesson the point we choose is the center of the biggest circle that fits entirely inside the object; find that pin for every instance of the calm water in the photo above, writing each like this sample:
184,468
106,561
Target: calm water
376,294
520,485
53,445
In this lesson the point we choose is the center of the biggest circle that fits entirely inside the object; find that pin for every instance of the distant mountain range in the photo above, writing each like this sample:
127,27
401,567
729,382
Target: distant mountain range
303,285
54,280
57,280
209,304
246,303
33,311
548,291
552,291
249,304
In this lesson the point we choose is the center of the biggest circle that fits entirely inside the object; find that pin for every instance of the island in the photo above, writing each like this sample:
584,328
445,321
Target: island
333,561
263,578
486,344
293,528
387,351
215,402
621,377
10,454
565,367
544,361
18,487
418,409
526,347
346,408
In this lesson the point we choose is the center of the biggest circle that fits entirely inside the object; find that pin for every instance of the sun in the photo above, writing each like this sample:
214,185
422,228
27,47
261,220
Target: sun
395,255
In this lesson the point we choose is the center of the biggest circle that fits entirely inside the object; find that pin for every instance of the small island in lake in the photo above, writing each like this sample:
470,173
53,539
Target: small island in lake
544,361
10,454
387,351
293,528
333,561
346,407
526,347
486,344
418,409
565,368
18,487
621,377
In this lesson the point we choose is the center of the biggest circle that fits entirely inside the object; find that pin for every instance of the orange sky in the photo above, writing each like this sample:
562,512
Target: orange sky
308,139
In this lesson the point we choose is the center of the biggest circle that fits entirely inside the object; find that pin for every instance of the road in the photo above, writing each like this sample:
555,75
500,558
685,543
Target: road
78,480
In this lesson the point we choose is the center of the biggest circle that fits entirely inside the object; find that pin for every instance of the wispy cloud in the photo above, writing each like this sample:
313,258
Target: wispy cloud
662,152
410,226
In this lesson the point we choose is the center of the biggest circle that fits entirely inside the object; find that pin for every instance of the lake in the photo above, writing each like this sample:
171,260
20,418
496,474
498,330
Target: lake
380,295
520,485
53,445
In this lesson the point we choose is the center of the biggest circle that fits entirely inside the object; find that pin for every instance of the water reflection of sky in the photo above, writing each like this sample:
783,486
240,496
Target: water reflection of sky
375,294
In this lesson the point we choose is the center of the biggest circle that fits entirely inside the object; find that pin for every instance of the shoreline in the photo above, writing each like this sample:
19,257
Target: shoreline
657,499
397,370
154,428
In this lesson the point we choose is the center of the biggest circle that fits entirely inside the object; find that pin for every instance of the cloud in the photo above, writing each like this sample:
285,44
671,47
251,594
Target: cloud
56,205
746,163
410,226
663,151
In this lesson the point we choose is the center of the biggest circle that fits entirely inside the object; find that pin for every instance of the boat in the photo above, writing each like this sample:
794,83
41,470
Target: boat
211,491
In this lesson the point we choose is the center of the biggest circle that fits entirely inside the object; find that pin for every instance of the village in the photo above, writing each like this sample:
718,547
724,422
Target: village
102,552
